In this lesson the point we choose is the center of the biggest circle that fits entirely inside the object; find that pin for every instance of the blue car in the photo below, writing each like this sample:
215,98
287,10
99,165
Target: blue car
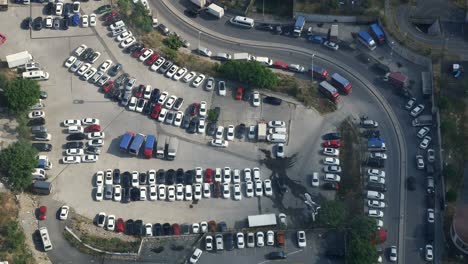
316,39
75,19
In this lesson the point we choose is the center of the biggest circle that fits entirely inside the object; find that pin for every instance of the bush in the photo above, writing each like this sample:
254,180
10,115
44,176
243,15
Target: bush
17,162
332,214
140,18
451,195
444,103
124,6
173,42
169,53
249,72
21,94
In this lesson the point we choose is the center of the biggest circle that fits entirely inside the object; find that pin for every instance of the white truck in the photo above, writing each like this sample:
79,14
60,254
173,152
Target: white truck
215,10
161,146
172,148
18,59
262,220
261,131
264,60
243,56
200,3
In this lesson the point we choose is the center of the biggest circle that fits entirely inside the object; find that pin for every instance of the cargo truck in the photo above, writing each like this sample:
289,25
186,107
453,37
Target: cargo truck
161,146
200,3
18,59
149,146
333,33
329,91
377,32
243,56
396,79
172,148
423,120
298,26
136,144
261,220
261,131
126,140
215,10
341,83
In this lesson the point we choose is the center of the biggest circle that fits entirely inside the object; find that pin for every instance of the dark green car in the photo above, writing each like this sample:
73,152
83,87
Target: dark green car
103,9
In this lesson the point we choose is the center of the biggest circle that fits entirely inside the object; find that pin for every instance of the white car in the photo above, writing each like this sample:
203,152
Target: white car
117,193
96,135
58,9
71,159
146,54
252,133
92,20
219,132
88,74
172,71
315,179
162,192
267,188
331,161
178,118
48,21
108,178
420,162
148,229
110,222
153,195
199,80
180,73
90,121
430,155
204,51
162,97
256,173
236,176
80,49
206,190
135,181
218,177
123,36
170,102
100,178
331,152
197,191
410,103
393,254
187,78
74,152
179,192
430,215
417,110
331,45
170,193
260,239
89,158
195,255
376,204
237,192
301,239
376,179
162,114
423,132
152,177
331,177
204,226
157,64
76,7
83,69
72,122
247,174
84,21
375,172
378,155
240,240
256,98
258,188
226,190
188,193
99,193
64,212
270,238
279,150
105,65
332,168
274,124
96,143
201,125
230,133
222,88
220,143
140,105
36,114
249,189
202,110
375,213
227,174
425,142
147,92
208,243
70,61
127,42
198,175
429,253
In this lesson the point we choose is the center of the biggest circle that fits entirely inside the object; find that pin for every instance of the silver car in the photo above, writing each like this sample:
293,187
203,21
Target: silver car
210,84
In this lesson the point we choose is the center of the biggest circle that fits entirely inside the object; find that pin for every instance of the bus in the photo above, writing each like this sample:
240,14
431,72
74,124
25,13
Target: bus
377,32
367,40
135,147
45,238
329,91
341,83
36,75
149,146
298,26
126,140
242,21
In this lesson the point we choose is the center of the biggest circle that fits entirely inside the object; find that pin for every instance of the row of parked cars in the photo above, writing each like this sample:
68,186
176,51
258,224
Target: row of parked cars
77,151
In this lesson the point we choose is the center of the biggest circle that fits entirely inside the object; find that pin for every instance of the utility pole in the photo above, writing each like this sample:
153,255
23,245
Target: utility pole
312,68
199,33
263,9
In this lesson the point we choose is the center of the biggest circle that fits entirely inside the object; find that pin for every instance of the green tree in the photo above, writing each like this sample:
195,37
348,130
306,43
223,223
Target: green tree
169,53
361,251
17,162
173,42
249,72
444,103
332,214
363,227
451,195
21,94
14,236
140,17
124,6
333,4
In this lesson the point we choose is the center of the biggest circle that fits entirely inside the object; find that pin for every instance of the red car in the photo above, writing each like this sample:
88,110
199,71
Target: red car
42,213
239,93
93,128
194,108
176,229
107,86
280,65
208,175
149,61
2,38
120,225
107,17
137,53
156,110
332,144
139,91
212,226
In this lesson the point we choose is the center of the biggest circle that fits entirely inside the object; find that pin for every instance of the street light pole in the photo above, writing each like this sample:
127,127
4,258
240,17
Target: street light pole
199,33
312,68
391,50
263,9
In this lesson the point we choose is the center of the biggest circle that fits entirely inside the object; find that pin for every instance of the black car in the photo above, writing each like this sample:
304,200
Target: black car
126,195
129,227
121,80
240,131
42,146
185,229
126,179
93,57
375,186
377,163
66,23
27,23
185,122
272,100
114,70
135,194
114,94
192,129
331,136
133,47
180,178
40,136
74,144
264,27
217,112
161,176
189,175
370,133
167,229
143,178
116,176
101,219
93,150
331,186
191,12
139,230
37,23
170,177
67,8
157,229
37,122
247,95
211,129
411,183
430,201
178,103
148,108
222,227
87,54
276,255
229,241
57,23
155,95
77,136
49,9
165,66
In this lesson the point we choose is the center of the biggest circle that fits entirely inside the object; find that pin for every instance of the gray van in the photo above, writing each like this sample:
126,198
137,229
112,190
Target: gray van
38,129
430,185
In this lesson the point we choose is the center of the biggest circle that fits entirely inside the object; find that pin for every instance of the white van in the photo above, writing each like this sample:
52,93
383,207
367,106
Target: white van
45,238
375,195
264,60
36,75
277,138
39,174
278,130
242,21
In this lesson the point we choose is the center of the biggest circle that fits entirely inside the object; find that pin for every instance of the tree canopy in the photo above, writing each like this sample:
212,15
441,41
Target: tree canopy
361,251
16,163
249,72
332,214
21,94
140,17
173,42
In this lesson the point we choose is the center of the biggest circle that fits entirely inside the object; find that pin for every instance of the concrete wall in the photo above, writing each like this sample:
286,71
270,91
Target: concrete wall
326,18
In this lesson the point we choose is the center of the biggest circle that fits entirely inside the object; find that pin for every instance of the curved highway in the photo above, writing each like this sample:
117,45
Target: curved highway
365,99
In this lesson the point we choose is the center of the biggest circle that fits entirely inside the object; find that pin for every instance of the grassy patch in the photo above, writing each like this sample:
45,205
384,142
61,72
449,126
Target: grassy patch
282,8
197,64
332,7
234,4
112,244
12,238
350,190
